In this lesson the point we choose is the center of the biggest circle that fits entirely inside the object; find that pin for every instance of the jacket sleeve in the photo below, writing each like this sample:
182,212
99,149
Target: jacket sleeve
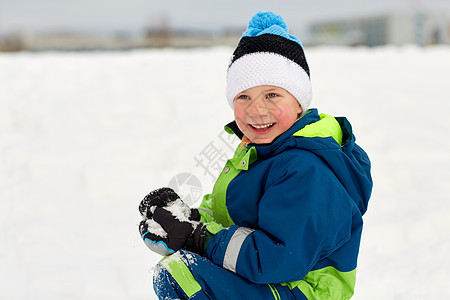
304,215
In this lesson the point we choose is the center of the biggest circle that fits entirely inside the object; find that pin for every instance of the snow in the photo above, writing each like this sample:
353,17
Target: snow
179,210
155,228
85,136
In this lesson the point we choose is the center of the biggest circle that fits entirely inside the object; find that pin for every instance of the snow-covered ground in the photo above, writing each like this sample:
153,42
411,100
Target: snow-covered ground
84,136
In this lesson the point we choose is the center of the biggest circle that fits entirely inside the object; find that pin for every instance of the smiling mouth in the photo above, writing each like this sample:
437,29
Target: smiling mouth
261,127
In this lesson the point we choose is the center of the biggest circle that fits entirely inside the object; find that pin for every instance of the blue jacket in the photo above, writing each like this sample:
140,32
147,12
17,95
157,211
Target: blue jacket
291,211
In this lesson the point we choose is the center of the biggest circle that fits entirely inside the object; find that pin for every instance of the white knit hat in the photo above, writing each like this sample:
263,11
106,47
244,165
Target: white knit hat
268,55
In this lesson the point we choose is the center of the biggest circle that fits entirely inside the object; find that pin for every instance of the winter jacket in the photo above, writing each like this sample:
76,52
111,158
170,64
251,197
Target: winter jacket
291,211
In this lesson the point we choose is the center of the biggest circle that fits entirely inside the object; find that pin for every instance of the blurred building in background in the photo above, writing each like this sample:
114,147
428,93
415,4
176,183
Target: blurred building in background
154,36
394,29
419,28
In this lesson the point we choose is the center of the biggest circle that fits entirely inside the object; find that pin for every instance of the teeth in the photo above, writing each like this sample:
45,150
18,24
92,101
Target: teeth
262,126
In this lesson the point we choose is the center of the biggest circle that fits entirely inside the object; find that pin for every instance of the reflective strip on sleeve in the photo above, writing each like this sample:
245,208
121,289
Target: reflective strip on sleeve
234,247
206,211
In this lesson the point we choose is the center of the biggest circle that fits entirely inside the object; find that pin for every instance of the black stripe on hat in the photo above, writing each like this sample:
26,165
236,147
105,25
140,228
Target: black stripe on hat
271,43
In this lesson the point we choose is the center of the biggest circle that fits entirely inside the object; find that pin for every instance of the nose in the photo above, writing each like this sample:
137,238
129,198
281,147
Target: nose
258,108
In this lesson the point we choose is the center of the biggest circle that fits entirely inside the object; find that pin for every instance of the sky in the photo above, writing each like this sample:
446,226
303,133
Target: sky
132,16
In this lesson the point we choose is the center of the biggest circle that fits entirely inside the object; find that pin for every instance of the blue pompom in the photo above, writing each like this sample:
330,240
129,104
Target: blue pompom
263,20
268,23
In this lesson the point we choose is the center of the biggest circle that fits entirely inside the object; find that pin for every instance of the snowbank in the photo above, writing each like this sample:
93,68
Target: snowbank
84,136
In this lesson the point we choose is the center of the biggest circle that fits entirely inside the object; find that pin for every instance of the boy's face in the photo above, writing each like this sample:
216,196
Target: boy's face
264,112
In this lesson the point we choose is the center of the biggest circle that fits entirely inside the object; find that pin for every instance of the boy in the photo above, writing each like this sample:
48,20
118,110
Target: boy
284,219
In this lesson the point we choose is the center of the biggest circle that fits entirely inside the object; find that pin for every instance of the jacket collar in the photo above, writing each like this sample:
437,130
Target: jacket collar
302,128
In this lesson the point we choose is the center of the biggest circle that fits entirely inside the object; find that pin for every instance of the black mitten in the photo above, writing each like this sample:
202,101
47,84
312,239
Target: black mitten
168,231
162,197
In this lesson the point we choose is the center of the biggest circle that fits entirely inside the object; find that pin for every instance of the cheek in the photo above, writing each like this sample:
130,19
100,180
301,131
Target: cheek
239,112
280,114
286,118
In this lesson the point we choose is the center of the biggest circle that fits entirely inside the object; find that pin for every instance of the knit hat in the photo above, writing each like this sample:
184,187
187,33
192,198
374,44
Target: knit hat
268,55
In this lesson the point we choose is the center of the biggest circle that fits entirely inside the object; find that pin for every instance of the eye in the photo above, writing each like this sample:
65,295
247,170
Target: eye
271,95
242,97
